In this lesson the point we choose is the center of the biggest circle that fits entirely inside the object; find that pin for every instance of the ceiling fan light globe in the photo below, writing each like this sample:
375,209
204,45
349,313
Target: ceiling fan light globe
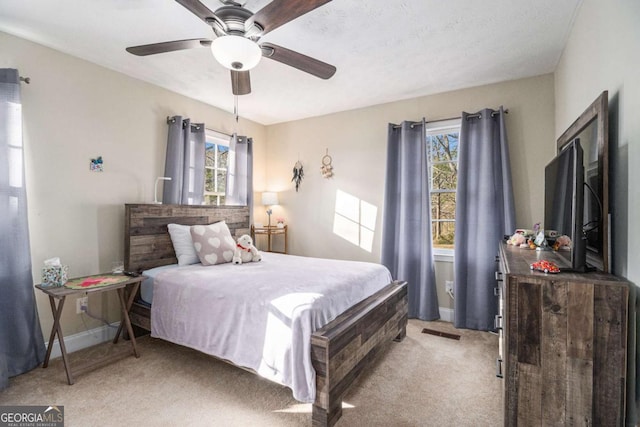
236,52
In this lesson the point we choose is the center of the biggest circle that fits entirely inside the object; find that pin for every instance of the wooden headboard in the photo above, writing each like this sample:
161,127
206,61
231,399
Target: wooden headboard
146,239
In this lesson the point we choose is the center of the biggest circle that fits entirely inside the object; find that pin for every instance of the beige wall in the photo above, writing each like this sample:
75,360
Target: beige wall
603,53
75,111
357,141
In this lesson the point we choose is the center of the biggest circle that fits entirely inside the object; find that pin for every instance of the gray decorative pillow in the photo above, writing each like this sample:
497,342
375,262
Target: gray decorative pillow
213,243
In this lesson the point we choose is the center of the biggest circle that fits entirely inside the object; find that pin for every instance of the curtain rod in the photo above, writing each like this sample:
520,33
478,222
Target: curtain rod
173,120
27,80
470,116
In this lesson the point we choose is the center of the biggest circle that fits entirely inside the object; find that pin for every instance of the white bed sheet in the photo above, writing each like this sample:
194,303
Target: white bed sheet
146,287
261,315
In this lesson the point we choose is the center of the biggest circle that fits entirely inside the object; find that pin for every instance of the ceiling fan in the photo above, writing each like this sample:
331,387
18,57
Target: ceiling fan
237,31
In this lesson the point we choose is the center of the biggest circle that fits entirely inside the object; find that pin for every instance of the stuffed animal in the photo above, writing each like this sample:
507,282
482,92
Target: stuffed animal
245,251
517,239
562,242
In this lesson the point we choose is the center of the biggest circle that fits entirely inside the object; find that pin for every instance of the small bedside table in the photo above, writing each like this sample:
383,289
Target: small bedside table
126,289
270,231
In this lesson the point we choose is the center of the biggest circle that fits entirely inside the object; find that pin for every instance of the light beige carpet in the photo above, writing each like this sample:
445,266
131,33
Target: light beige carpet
425,380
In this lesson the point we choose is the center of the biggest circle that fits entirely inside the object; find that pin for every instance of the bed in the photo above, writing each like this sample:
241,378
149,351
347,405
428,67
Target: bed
338,347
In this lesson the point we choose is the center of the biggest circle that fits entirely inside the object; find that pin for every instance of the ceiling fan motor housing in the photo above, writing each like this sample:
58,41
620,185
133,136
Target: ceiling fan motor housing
229,20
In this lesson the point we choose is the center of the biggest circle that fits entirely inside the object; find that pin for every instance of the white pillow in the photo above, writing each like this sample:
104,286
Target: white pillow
183,244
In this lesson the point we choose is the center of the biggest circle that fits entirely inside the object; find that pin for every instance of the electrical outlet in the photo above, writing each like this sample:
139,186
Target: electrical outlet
82,304
448,286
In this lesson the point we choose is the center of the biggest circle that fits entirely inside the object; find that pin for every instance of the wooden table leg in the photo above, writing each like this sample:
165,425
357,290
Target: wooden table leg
57,330
125,318
53,332
131,297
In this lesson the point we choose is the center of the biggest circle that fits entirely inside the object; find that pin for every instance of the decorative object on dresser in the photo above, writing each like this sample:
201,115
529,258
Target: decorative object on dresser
269,199
339,351
563,342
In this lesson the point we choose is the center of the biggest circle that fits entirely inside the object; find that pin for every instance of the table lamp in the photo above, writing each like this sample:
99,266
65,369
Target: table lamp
269,199
155,188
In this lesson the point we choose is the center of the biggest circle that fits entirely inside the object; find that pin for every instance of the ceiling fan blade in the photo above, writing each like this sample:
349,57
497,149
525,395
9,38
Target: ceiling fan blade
198,9
297,60
153,48
279,12
240,82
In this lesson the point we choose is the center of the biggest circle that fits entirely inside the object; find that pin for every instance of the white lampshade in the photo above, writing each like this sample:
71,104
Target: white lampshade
236,52
155,188
269,198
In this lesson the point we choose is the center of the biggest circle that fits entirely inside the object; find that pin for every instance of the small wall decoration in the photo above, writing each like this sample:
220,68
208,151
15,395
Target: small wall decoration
96,165
326,168
298,174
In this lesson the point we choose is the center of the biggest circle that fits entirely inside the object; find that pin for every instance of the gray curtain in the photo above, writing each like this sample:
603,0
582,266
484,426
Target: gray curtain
184,163
21,340
406,226
239,187
484,214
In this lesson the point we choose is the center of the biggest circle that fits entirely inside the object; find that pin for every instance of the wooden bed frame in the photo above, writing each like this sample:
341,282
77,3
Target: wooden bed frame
340,351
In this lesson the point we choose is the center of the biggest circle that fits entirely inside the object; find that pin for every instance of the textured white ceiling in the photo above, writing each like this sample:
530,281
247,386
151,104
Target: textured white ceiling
384,50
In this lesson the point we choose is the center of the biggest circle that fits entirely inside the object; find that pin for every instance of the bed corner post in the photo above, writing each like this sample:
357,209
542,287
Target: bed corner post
322,417
346,346
402,334
327,408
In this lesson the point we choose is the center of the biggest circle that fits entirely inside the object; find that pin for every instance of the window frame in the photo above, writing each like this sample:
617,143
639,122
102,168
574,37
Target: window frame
218,139
436,128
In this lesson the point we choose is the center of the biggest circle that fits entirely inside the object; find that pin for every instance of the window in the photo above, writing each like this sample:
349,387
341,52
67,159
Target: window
215,167
442,149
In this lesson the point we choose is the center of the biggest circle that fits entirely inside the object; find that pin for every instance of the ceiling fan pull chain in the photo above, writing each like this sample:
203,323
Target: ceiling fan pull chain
235,112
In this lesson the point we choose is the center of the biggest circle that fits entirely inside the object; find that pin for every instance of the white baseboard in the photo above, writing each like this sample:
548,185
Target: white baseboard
446,314
85,339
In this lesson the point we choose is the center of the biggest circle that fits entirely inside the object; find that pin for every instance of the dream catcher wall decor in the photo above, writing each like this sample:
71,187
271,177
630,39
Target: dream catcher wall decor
326,169
298,174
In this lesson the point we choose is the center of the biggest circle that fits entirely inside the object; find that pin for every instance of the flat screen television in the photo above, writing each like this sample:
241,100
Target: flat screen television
564,204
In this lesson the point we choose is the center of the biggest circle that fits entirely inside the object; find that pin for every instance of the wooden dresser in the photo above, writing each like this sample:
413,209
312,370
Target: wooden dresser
563,343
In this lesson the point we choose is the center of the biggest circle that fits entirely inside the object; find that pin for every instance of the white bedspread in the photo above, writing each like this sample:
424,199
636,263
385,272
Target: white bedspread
261,315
